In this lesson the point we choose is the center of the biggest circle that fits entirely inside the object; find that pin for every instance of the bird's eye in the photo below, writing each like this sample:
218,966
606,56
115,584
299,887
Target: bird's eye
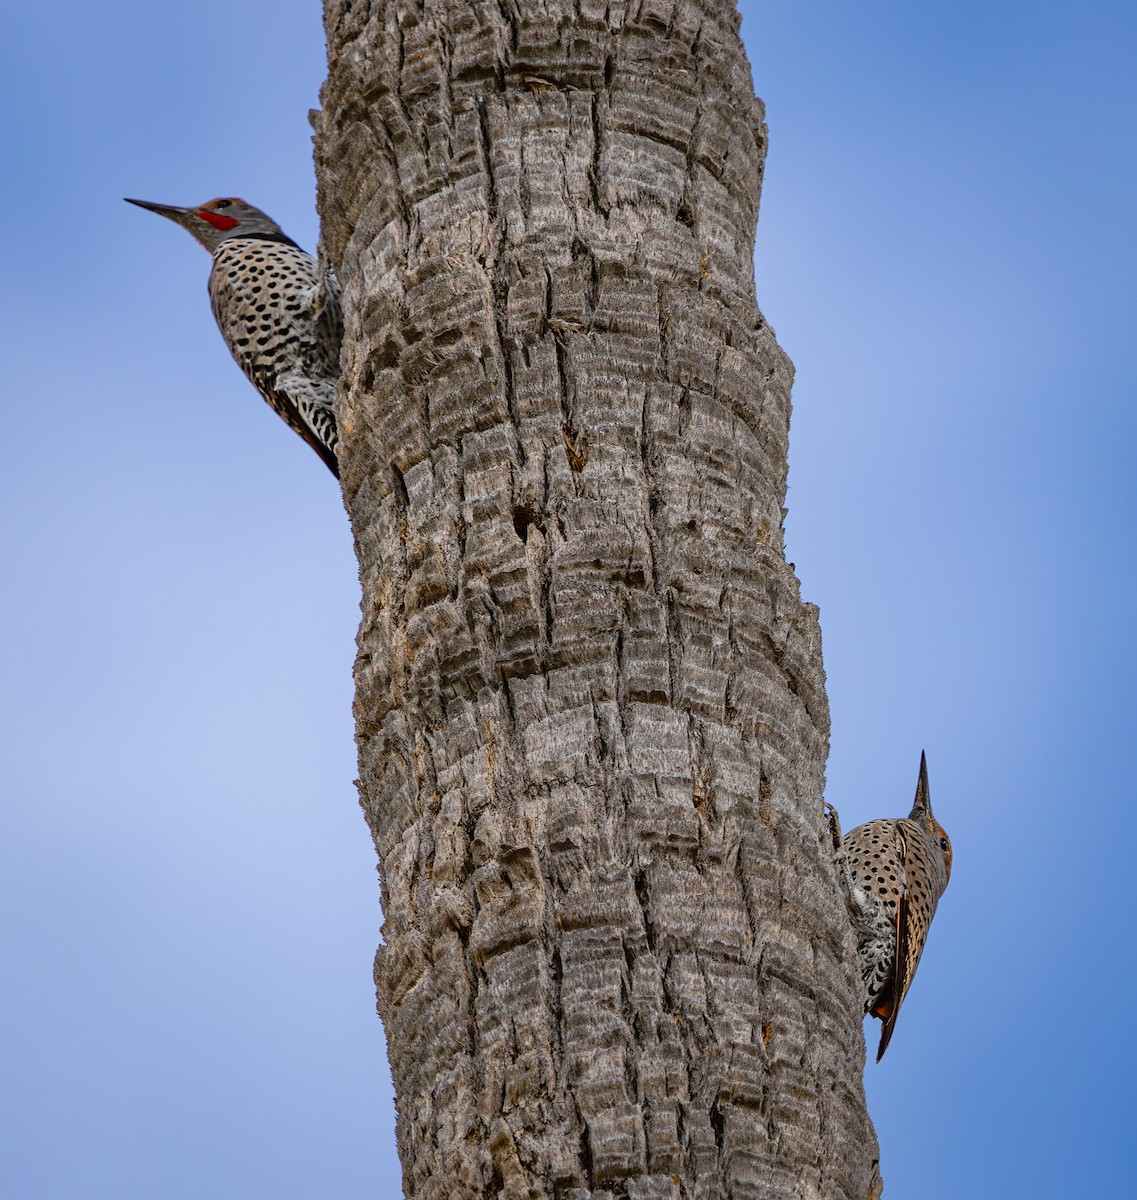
944,844
223,203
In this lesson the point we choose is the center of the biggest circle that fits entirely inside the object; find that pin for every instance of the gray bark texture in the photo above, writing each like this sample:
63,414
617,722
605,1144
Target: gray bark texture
590,703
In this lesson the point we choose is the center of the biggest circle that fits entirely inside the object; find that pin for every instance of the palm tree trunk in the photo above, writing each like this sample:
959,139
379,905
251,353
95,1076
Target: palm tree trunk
591,714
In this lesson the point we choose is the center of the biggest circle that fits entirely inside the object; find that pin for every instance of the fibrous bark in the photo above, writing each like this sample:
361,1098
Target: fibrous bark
590,702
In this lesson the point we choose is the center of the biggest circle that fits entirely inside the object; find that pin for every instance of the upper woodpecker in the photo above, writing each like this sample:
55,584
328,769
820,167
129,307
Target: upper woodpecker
280,319
893,873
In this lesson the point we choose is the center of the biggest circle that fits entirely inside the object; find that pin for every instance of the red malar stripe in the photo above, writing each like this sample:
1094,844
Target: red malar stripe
217,220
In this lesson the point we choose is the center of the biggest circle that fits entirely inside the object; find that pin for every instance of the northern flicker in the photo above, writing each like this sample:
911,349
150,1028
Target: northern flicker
893,873
279,315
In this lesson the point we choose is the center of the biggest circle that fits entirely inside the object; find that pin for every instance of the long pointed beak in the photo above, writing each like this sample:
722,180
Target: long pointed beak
182,216
923,801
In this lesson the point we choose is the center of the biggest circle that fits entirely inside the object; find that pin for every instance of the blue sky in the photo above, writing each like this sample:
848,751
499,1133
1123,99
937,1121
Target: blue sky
188,894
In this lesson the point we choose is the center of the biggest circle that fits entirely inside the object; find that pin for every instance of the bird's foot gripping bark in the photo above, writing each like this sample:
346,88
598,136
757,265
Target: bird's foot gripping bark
834,823
862,906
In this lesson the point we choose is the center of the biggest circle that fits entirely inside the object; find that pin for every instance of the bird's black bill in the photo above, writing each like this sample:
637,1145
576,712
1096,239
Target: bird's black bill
163,210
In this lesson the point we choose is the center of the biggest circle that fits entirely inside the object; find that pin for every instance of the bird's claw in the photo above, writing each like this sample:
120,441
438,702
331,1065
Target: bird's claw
833,821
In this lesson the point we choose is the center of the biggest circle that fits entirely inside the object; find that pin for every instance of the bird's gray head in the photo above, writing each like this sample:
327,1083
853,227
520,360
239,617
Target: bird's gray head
218,220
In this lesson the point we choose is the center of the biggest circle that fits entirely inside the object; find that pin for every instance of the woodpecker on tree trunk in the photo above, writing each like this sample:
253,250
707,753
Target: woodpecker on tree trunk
892,874
279,315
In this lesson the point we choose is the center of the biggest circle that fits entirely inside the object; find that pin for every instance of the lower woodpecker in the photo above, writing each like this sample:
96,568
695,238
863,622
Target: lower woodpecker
893,873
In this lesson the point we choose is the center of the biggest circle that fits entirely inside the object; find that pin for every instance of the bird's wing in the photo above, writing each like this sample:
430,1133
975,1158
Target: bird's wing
900,977
906,955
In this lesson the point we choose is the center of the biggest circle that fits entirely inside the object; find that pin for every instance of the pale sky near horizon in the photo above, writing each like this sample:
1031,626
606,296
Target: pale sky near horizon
188,901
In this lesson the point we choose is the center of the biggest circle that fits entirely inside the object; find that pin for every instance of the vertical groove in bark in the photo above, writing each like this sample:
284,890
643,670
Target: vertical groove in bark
590,702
